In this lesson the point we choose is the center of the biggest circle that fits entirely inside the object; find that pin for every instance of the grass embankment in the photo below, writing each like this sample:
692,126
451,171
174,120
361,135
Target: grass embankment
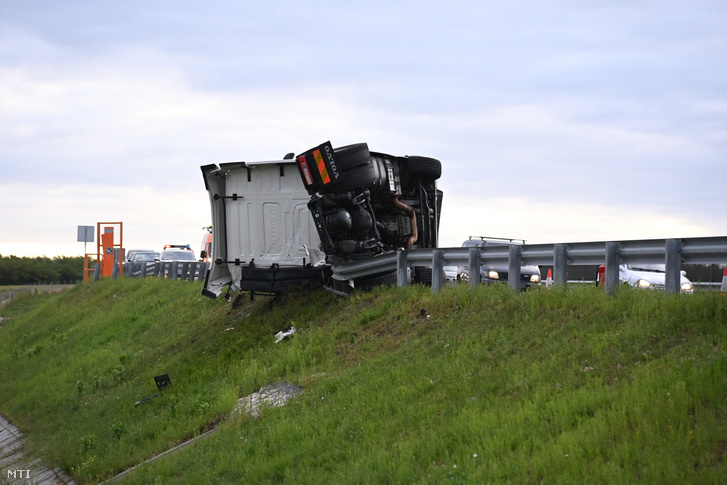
400,385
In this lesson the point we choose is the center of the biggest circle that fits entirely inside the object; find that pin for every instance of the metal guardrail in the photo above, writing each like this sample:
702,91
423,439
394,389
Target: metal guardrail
671,252
174,270
6,297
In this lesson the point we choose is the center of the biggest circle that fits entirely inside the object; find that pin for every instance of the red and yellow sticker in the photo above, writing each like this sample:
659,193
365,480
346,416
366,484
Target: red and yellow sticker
317,166
321,167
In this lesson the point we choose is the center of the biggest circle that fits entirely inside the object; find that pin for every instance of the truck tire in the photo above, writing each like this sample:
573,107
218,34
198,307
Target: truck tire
368,283
425,167
423,275
357,177
352,156
356,169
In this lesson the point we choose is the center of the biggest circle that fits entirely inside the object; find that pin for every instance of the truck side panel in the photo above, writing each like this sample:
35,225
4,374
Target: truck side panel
263,218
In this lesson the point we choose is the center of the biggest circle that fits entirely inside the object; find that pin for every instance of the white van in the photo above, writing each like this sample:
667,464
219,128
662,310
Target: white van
205,249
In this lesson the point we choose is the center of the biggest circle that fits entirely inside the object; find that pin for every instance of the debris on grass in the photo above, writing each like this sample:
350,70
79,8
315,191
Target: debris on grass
284,334
272,395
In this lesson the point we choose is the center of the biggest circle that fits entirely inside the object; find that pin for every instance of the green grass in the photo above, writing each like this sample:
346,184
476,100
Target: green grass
484,386
10,293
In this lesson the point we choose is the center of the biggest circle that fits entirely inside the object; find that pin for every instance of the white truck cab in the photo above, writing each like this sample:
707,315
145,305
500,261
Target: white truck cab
292,220
262,231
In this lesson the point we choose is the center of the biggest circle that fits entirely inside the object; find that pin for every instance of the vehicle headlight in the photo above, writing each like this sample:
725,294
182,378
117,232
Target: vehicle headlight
493,275
535,278
643,284
687,287
463,277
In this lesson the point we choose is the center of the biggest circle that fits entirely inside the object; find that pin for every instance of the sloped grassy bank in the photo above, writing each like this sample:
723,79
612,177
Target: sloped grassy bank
400,386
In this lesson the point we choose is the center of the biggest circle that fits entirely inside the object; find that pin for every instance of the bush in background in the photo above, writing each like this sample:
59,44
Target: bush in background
16,270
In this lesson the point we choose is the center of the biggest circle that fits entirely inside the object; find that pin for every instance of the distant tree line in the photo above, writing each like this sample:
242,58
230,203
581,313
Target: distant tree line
15,270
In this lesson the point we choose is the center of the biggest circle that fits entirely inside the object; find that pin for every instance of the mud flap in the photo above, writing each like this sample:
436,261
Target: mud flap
318,167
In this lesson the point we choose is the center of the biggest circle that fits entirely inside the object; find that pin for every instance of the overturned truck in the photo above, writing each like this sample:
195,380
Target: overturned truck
296,219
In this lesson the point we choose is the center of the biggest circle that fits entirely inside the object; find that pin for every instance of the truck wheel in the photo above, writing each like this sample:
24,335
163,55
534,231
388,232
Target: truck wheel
356,169
352,156
368,283
423,275
425,167
358,177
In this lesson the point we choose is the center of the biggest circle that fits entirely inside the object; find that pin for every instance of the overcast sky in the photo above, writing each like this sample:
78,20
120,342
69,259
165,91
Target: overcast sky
555,121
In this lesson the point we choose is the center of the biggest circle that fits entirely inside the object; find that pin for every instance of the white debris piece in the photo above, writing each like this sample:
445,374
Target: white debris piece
284,333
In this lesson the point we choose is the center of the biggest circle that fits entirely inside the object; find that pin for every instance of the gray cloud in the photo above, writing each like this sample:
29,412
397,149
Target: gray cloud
565,103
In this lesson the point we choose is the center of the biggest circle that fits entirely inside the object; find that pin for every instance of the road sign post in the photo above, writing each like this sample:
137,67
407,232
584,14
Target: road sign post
85,235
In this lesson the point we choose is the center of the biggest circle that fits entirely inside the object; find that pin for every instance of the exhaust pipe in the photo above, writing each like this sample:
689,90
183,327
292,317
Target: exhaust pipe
414,232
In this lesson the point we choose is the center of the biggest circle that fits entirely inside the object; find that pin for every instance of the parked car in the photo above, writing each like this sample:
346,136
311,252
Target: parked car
647,276
142,260
529,275
143,256
177,253
131,252
450,274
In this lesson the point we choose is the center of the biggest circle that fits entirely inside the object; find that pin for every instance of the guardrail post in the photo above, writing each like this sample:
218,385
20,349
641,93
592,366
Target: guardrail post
560,266
175,270
611,267
437,271
401,268
96,271
186,269
202,271
474,268
513,270
673,266
114,270
157,266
